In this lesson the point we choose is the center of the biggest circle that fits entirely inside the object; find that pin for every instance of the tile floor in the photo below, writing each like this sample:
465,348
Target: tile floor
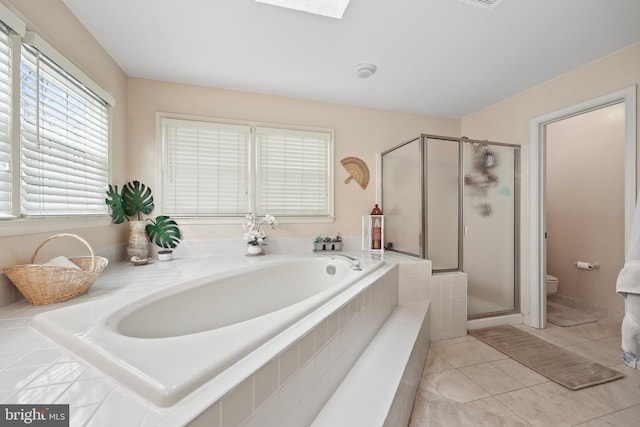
468,383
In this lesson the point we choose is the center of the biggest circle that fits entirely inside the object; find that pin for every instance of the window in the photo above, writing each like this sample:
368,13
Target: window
5,122
205,168
64,141
226,170
292,172
54,133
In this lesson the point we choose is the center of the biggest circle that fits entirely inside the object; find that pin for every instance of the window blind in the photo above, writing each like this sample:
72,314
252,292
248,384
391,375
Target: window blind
64,138
293,173
5,117
206,168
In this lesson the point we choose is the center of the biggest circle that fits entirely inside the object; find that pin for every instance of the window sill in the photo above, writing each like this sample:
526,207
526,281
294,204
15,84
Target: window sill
242,220
16,227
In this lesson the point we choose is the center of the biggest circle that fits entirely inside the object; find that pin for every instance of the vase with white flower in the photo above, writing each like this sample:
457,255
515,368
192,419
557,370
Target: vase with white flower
254,235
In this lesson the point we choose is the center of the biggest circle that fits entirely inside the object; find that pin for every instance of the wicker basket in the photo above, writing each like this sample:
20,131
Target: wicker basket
47,284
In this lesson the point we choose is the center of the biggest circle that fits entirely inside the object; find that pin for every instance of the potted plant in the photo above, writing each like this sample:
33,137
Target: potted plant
165,233
254,236
133,201
328,243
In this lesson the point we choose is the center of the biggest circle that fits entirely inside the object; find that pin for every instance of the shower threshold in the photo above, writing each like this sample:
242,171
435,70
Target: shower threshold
487,322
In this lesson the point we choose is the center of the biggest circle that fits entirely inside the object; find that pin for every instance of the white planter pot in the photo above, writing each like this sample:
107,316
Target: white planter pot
165,255
254,249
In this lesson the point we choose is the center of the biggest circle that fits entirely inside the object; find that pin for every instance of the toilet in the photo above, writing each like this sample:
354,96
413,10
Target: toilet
552,284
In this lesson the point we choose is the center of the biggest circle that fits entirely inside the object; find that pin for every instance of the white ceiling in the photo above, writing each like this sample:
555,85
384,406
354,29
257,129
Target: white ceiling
436,57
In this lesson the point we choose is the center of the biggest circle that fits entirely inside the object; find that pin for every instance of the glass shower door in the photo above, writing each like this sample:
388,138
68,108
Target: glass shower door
443,202
490,228
402,189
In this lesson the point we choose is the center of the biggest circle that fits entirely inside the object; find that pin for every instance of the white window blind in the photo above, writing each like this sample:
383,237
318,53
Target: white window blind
205,168
5,117
293,174
64,138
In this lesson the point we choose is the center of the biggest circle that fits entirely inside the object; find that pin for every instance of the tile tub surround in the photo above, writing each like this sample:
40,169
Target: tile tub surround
35,370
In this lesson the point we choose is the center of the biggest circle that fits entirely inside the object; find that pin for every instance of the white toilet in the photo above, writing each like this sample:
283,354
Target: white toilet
552,284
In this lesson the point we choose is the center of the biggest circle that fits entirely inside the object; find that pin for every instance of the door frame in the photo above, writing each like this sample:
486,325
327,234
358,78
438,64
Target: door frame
537,165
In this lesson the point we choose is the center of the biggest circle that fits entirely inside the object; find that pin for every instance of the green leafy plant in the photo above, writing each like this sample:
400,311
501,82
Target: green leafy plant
328,239
164,232
134,200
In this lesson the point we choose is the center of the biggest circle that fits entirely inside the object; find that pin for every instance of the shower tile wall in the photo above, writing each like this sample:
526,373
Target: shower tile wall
448,294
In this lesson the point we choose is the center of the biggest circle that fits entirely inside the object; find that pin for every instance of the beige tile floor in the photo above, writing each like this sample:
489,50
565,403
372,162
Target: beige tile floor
468,383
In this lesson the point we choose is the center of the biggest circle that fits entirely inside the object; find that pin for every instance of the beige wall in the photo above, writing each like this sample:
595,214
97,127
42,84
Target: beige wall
585,204
359,132
53,21
510,121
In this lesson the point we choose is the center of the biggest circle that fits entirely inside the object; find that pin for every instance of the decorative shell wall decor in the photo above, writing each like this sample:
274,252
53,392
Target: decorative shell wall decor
357,170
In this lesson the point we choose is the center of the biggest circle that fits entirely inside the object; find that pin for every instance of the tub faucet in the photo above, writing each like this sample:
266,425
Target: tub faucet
356,263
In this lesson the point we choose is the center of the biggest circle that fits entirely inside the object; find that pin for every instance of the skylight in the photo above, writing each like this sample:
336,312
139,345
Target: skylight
330,8
487,4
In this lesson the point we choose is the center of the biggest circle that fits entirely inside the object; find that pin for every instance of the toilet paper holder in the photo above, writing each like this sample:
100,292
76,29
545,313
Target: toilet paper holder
583,265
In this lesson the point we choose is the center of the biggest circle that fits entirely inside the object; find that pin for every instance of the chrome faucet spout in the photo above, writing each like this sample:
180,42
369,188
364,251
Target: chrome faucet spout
356,263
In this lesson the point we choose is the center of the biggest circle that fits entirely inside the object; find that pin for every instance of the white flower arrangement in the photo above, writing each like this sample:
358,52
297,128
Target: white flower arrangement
253,228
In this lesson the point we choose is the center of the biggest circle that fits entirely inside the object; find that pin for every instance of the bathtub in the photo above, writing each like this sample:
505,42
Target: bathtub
165,344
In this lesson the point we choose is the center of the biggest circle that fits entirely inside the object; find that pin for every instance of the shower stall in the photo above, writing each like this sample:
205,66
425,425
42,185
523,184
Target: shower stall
455,201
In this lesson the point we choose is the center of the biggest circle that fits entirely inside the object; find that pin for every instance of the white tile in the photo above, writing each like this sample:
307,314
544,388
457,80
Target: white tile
38,357
307,375
435,288
322,363
10,379
459,288
237,405
79,415
265,382
335,349
320,332
406,295
26,343
42,395
154,416
119,410
290,395
267,415
445,316
333,325
303,414
288,362
90,373
307,347
209,418
7,359
59,373
86,392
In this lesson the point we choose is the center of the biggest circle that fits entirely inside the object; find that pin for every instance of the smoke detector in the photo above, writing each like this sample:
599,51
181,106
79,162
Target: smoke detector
485,4
364,71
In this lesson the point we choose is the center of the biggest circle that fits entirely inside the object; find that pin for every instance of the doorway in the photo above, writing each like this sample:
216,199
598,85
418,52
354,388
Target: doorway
538,187
585,206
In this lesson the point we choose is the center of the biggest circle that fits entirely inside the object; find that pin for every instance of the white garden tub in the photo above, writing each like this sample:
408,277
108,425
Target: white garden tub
165,344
